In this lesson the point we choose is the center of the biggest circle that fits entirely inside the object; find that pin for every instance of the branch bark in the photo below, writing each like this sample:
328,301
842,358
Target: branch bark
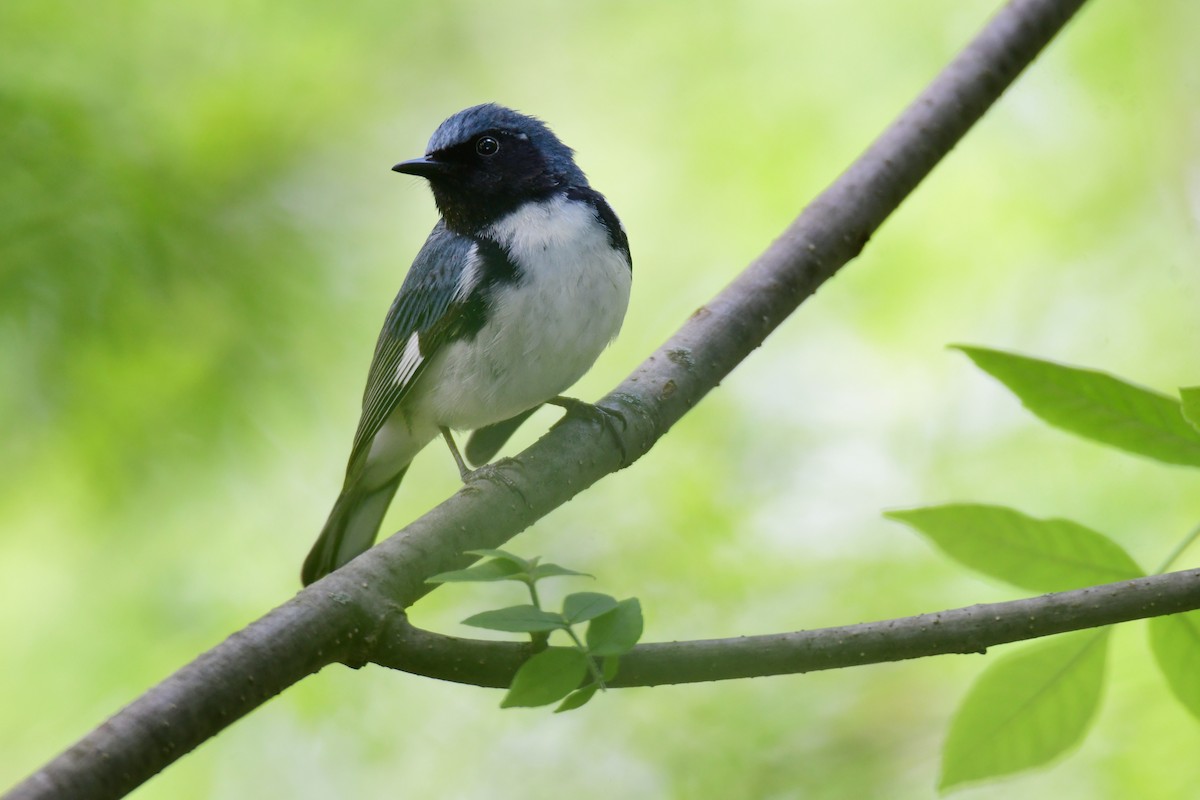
961,630
342,617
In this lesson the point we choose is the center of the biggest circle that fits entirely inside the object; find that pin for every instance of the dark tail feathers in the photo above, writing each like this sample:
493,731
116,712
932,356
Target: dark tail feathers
350,530
487,441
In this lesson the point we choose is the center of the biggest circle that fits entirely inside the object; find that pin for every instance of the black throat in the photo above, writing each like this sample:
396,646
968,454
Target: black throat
469,211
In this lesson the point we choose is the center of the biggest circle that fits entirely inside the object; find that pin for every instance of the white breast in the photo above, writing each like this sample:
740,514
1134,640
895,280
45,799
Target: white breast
545,331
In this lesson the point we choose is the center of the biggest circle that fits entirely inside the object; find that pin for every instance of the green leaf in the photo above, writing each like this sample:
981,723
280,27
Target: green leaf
523,564
616,632
1096,405
609,667
1026,709
1189,397
517,619
577,698
493,570
1175,641
554,570
582,606
1045,555
546,677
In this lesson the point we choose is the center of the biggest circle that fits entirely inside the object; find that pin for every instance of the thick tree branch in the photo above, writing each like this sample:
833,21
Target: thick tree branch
339,617
961,630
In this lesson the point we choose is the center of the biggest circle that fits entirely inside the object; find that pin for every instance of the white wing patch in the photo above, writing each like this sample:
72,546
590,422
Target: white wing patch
410,359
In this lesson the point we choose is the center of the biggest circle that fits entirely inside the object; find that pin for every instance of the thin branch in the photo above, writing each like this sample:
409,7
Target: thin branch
338,618
961,630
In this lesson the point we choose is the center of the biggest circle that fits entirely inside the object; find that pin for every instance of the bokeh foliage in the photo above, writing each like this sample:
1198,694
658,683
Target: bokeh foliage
199,235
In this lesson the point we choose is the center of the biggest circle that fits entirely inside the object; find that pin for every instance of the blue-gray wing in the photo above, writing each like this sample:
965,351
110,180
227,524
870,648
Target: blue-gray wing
438,303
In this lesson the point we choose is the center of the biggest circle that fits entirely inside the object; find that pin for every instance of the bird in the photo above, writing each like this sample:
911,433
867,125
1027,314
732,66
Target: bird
521,284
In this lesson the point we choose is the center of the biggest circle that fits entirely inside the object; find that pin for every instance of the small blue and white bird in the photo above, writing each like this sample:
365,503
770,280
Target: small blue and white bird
520,286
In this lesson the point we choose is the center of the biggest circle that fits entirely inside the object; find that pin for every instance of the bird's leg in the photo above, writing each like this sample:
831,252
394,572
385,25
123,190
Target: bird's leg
606,417
458,459
487,471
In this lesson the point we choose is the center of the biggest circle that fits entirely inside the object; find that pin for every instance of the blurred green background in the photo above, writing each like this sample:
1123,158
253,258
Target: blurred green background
199,236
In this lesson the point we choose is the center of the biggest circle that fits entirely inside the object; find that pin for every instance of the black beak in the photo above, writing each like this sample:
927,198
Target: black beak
424,166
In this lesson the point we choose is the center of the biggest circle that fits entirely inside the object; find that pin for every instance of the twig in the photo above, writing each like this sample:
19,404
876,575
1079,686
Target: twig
961,630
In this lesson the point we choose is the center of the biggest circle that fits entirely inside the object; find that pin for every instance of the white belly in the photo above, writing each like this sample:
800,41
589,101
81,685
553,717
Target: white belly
545,332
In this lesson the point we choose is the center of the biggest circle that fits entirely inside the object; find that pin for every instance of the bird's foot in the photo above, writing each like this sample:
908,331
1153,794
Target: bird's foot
496,473
487,472
605,417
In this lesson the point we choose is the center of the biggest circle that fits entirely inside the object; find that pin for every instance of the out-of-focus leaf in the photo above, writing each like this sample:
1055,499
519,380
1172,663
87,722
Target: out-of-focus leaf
523,564
582,606
1045,555
617,631
517,619
492,570
1189,398
503,565
1096,406
546,677
577,698
1026,709
553,571
1175,641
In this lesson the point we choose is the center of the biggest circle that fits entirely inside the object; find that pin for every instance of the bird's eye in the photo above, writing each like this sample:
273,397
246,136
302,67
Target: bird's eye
487,146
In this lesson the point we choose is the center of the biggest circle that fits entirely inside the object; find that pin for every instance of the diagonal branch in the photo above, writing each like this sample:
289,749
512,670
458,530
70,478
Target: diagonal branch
961,630
338,619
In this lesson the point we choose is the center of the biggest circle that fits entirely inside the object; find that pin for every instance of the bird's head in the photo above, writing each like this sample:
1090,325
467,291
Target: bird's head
485,161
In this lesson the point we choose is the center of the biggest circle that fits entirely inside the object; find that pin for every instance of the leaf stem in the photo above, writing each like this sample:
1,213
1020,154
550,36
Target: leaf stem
539,639
1184,544
593,667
